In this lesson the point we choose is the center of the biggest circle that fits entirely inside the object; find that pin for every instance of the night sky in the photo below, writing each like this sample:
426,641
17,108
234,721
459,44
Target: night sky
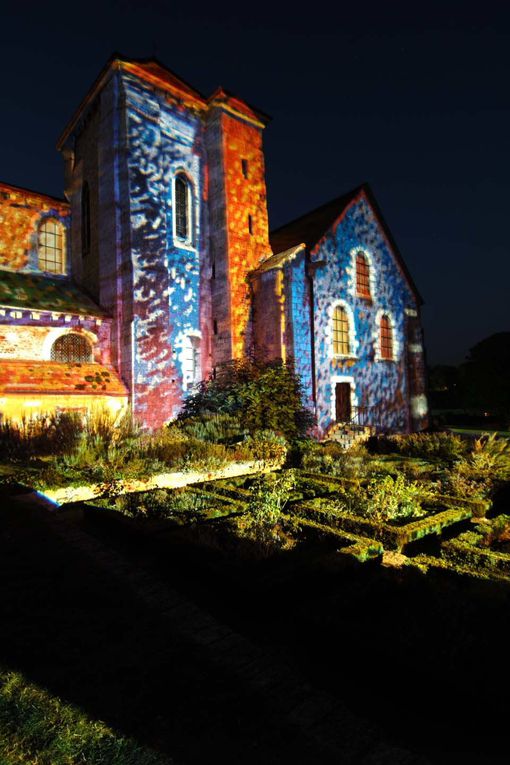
414,100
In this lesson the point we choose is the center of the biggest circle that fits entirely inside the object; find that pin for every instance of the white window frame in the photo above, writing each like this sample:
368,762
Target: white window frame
334,379
353,341
189,242
195,337
353,272
377,336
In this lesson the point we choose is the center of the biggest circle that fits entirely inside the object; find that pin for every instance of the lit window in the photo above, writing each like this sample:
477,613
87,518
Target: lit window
386,335
85,219
71,347
362,276
51,246
182,208
191,362
341,344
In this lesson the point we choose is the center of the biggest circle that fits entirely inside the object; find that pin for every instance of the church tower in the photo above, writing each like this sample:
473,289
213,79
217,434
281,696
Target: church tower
169,216
238,222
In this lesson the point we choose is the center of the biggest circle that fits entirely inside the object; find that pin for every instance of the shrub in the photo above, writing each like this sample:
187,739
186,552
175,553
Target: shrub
213,427
269,495
265,446
396,498
495,531
432,446
40,436
260,395
332,459
490,457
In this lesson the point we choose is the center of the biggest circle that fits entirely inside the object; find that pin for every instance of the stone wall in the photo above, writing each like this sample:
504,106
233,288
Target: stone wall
379,387
21,212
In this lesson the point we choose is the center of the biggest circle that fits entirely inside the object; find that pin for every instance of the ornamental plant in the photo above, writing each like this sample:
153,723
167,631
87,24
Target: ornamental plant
261,395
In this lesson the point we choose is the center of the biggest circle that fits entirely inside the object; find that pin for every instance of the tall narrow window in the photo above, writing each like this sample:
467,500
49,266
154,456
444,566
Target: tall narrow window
182,208
340,334
244,167
386,338
50,246
85,219
250,224
362,276
191,366
71,347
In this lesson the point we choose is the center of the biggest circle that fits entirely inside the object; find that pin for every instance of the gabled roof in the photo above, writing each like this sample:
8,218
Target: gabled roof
56,378
310,228
44,293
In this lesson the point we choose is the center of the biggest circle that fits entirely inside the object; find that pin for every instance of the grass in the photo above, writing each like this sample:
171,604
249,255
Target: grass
37,728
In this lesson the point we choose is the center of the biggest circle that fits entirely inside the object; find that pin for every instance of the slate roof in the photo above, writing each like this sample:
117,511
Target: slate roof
45,293
309,229
53,377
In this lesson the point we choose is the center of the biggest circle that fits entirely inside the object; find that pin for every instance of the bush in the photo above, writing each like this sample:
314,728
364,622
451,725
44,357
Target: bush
40,436
213,427
258,395
269,495
265,446
333,459
397,498
431,446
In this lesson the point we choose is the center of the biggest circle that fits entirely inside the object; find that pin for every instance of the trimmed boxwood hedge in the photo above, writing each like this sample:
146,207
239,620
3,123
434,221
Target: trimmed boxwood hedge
394,537
361,548
463,550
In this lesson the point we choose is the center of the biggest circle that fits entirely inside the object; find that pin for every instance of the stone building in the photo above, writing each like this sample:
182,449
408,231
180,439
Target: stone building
159,267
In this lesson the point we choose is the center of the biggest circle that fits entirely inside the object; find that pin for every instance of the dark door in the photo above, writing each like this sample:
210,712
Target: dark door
343,402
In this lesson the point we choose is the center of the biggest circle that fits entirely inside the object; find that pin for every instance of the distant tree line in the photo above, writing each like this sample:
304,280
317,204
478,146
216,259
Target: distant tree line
480,386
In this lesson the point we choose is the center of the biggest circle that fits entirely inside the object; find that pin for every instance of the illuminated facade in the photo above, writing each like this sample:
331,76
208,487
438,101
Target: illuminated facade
157,265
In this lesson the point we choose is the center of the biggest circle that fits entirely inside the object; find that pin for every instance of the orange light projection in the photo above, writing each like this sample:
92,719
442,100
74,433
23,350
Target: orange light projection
20,214
247,224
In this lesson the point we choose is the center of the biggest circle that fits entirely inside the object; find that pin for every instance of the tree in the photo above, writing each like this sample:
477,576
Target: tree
485,376
264,396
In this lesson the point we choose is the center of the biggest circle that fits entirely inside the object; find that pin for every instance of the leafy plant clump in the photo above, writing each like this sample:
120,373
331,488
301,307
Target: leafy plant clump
269,494
391,499
260,396
39,436
443,446
332,459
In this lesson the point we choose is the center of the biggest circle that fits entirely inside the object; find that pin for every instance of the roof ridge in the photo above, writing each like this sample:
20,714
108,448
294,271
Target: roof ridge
341,197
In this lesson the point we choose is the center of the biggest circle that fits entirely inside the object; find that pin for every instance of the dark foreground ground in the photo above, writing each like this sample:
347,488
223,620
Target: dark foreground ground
302,659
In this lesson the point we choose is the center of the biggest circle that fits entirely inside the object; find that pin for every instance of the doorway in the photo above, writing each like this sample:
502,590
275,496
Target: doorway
343,402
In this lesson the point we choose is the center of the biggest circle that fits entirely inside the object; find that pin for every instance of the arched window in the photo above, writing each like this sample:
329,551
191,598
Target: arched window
182,208
191,371
71,347
85,219
340,333
362,275
50,247
386,338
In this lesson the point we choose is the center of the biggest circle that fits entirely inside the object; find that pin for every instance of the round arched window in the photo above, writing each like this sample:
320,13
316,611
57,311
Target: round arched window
71,347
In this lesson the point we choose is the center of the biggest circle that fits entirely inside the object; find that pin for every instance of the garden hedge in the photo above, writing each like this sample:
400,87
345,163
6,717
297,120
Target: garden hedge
395,537
462,550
